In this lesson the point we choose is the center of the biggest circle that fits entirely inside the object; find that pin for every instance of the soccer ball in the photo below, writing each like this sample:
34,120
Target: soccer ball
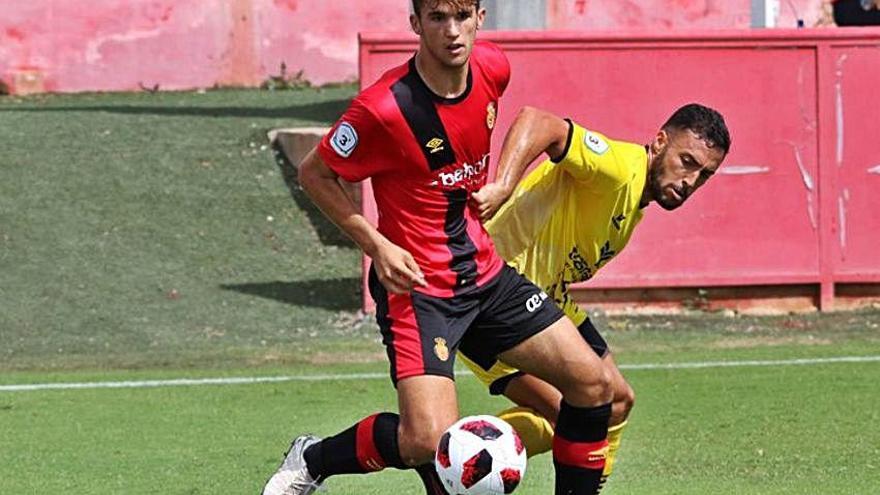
480,455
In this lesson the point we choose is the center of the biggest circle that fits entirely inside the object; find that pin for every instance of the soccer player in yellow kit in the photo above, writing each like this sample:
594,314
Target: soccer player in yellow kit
569,217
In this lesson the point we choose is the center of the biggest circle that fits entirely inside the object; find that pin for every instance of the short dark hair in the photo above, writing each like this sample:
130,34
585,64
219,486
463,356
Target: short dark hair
703,121
417,4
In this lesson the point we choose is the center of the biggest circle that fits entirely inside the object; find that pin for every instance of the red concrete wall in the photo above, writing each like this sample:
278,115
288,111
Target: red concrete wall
74,45
79,45
594,15
665,14
794,203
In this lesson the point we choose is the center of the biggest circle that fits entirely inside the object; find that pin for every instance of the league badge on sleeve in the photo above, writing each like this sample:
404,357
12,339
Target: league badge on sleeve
596,143
344,140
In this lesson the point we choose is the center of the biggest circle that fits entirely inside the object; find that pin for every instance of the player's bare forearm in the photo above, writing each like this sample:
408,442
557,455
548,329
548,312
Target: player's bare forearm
322,186
533,132
396,268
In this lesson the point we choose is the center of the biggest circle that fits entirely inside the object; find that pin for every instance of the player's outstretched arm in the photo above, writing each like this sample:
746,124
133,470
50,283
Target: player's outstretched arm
396,268
533,132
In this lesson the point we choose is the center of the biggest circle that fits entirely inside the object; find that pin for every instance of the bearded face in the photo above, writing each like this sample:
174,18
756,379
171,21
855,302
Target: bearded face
683,164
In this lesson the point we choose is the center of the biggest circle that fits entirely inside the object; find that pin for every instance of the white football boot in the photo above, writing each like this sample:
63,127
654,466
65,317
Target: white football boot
292,476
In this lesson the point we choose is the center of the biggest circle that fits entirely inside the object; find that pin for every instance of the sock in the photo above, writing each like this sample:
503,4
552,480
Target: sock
370,445
614,434
535,432
579,448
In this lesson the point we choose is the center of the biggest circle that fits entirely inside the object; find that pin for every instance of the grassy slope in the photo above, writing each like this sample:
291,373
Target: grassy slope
134,232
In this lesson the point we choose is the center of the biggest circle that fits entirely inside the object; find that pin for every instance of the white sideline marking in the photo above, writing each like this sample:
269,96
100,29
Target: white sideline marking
769,362
372,376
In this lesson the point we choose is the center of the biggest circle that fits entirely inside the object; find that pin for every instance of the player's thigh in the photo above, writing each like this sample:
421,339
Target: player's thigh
559,355
420,332
428,406
491,371
530,391
513,311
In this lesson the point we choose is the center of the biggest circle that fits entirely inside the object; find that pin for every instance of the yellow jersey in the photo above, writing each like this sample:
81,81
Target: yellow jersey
566,220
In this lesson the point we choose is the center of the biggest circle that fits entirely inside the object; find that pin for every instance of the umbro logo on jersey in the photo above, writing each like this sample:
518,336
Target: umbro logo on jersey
435,145
618,220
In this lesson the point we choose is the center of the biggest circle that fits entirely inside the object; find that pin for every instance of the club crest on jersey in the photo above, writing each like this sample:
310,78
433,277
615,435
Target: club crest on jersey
596,143
491,113
434,145
344,140
440,349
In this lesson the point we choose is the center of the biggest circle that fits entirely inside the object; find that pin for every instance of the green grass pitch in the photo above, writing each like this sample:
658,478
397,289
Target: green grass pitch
761,430
136,243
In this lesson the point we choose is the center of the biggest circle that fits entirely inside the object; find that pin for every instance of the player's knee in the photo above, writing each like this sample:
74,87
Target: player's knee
593,388
600,386
417,444
624,400
629,399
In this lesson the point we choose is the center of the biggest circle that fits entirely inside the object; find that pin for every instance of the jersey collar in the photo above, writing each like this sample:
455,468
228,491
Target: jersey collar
434,96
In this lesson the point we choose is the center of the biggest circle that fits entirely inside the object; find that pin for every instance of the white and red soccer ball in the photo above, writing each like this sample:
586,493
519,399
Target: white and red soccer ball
480,455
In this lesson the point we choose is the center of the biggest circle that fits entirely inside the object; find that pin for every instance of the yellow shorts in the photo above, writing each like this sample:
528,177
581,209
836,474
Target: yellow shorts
495,378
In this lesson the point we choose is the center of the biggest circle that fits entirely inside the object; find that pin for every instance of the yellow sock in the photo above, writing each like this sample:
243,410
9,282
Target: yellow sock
535,431
537,434
614,434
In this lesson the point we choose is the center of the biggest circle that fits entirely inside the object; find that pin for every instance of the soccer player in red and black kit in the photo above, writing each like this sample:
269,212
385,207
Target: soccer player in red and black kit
422,134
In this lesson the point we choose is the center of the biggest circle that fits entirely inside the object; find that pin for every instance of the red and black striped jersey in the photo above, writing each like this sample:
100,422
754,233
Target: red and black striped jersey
425,155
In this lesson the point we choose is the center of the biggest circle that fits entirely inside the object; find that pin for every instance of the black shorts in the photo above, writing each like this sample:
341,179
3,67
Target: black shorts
498,377
589,332
422,333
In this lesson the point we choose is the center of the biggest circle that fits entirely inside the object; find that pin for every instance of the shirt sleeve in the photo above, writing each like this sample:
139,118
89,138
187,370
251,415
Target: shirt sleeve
356,146
495,64
592,157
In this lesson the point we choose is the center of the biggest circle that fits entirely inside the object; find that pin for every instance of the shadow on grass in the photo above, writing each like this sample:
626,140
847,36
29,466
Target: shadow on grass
325,111
341,294
328,233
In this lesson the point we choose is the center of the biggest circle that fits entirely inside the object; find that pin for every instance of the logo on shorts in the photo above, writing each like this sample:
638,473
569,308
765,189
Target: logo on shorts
535,302
344,140
440,349
491,113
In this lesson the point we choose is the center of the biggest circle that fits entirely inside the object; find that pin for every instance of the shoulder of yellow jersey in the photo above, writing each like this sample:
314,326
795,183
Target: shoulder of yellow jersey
608,164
